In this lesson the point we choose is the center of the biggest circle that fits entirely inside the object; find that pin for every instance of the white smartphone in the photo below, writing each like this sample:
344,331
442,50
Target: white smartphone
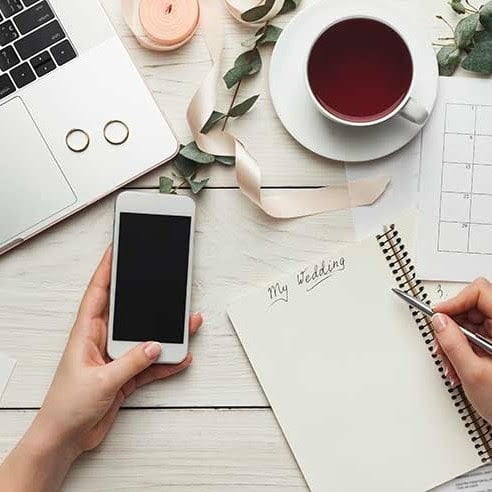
151,274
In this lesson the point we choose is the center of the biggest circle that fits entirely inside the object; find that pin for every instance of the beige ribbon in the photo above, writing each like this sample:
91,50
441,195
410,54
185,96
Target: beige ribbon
289,204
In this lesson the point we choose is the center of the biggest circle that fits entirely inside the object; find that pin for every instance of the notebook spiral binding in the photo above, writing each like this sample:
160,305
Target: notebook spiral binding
403,271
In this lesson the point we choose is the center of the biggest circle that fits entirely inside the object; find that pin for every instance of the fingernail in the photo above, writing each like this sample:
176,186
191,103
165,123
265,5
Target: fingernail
153,350
439,322
446,371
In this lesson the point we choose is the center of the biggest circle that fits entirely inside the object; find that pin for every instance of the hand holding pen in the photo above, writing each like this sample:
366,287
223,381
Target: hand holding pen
464,362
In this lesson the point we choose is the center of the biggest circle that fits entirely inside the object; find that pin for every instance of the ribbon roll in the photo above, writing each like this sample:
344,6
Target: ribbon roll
162,25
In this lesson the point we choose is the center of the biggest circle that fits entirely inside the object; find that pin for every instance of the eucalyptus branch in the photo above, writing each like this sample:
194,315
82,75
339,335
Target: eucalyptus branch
233,101
471,44
472,7
441,18
192,159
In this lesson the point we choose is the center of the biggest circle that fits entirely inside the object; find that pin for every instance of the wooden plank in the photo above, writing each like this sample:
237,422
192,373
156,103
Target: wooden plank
174,76
180,450
237,248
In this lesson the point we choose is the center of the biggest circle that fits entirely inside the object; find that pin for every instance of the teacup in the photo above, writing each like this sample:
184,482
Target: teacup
360,72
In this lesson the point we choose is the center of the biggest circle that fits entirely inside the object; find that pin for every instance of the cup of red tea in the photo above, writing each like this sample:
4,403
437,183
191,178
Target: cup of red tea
360,72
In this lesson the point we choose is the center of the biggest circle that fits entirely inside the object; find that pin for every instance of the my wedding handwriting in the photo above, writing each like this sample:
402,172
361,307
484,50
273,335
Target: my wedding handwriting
314,275
308,278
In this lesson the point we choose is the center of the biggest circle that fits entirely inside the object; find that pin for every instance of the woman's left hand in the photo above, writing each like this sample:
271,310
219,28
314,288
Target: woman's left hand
88,388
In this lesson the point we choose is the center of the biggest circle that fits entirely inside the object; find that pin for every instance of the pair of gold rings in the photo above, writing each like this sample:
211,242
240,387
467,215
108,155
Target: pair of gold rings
115,132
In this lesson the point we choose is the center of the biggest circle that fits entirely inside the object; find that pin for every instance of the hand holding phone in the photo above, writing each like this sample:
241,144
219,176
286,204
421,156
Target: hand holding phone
151,274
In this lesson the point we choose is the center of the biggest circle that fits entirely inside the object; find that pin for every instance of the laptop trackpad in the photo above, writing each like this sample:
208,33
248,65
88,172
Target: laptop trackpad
32,187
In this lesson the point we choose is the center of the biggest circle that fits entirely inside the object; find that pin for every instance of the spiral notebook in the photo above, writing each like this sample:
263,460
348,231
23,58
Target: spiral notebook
348,370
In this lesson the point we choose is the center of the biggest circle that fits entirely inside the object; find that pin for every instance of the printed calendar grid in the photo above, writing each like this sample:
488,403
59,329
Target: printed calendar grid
465,209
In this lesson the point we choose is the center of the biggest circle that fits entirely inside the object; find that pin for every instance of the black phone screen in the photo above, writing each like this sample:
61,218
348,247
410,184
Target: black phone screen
151,278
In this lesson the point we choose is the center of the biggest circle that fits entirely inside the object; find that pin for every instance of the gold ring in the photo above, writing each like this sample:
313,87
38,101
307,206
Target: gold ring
122,140
72,147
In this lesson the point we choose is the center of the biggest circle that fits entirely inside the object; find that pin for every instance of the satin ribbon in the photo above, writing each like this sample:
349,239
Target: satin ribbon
236,9
289,204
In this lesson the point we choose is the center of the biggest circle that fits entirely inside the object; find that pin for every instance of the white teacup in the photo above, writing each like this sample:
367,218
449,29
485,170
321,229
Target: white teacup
360,72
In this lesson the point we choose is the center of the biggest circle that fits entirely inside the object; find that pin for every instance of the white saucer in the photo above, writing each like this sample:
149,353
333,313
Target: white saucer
297,111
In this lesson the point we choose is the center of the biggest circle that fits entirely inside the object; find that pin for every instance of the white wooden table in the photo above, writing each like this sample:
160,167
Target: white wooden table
211,428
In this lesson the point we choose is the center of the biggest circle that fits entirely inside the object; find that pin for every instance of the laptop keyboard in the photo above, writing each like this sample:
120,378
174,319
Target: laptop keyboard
32,43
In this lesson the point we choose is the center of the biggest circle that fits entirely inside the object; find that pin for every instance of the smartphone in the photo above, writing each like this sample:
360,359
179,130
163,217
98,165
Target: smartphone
151,274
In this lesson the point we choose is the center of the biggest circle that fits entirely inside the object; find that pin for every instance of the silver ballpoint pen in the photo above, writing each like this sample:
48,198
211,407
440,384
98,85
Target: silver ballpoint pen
475,338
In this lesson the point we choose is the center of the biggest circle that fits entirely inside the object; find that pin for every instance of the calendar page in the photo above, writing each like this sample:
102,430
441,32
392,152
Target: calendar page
455,197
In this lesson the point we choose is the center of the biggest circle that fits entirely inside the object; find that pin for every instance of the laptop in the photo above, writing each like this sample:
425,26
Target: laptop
63,68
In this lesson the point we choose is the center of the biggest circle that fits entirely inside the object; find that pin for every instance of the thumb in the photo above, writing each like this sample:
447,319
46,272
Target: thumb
133,363
456,346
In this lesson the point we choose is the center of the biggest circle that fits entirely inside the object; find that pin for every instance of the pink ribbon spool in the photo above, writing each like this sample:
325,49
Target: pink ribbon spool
169,23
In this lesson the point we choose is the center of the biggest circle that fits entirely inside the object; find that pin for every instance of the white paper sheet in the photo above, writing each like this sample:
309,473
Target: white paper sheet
349,378
455,200
479,480
6,368
401,194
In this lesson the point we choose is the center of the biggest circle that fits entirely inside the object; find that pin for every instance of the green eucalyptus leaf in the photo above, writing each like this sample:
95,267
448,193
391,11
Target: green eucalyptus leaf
486,16
185,167
258,12
482,37
250,42
251,58
243,107
289,6
215,117
271,35
193,153
197,186
166,185
465,30
457,6
479,60
247,63
448,59
235,74
227,160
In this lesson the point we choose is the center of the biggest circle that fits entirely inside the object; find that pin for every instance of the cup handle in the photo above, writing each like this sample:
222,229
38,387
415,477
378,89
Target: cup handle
414,112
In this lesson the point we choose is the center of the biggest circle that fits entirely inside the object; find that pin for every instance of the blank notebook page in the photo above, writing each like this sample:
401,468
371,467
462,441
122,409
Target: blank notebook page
350,378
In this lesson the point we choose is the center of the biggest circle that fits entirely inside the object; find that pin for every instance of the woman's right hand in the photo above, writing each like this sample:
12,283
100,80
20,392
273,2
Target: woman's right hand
463,362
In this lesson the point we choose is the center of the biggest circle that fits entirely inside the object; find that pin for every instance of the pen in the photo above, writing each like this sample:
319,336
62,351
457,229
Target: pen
475,338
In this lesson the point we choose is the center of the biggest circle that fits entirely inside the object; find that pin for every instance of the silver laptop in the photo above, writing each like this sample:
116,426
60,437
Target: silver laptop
62,67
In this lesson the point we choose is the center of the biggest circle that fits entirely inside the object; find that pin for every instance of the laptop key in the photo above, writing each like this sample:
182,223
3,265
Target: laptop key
43,63
63,52
6,86
23,75
8,33
8,58
28,3
39,40
10,7
34,17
